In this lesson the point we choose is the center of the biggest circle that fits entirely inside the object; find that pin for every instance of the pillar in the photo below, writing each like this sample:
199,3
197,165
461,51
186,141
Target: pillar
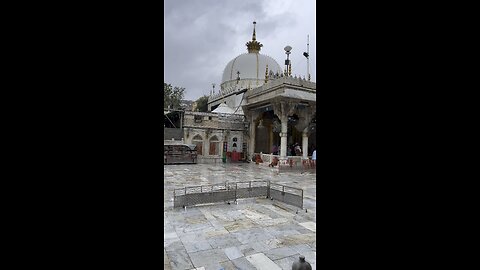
251,146
270,138
205,144
305,144
283,138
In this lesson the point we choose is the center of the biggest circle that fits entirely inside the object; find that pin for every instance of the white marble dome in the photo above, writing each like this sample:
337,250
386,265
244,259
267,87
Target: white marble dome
251,67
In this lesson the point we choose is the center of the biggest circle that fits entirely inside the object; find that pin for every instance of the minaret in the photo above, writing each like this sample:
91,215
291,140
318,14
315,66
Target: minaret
306,54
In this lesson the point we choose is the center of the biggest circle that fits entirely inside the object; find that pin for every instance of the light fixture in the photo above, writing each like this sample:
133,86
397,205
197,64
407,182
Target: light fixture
288,70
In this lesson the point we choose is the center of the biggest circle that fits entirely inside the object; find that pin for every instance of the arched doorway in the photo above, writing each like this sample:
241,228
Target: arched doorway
214,149
294,135
267,129
198,141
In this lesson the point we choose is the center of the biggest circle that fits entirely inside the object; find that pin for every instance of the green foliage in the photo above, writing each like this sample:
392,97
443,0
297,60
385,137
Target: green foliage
202,104
172,96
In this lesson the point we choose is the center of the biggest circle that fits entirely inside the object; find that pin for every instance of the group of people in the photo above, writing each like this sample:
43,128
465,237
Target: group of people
294,150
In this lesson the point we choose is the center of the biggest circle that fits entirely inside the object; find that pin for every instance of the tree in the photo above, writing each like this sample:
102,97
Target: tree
172,96
202,104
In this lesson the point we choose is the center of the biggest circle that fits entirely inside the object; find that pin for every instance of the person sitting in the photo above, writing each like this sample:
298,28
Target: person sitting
274,162
258,159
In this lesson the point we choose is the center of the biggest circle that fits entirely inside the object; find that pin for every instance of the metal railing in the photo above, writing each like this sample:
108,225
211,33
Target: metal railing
197,195
286,194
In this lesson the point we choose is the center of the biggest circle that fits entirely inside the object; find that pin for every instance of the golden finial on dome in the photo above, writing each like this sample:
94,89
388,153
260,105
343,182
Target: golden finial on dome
253,46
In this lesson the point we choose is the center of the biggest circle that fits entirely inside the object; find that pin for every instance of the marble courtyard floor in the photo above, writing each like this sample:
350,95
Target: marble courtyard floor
256,233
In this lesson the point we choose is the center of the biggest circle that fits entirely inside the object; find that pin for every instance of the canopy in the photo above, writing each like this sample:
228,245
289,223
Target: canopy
223,108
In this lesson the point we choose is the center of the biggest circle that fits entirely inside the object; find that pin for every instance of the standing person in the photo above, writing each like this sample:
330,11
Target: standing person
275,149
314,156
298,150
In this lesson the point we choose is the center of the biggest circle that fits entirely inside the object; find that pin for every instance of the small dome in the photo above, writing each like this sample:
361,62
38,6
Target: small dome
223,108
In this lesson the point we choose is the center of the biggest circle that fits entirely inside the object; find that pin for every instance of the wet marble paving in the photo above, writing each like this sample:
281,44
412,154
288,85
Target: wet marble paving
256,233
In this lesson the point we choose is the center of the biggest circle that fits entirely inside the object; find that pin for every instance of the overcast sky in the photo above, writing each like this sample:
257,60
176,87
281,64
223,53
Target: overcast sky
202,36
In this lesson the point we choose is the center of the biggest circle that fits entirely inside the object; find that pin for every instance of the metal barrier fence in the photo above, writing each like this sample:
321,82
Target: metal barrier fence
286,194
251,189
189,196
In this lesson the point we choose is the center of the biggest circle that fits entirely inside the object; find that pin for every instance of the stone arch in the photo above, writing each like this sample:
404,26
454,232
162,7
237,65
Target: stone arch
214,138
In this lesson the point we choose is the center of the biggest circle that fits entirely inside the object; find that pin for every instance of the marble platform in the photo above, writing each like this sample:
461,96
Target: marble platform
256,233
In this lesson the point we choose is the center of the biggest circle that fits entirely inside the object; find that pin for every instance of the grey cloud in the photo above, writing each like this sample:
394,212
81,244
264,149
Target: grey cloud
200,37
